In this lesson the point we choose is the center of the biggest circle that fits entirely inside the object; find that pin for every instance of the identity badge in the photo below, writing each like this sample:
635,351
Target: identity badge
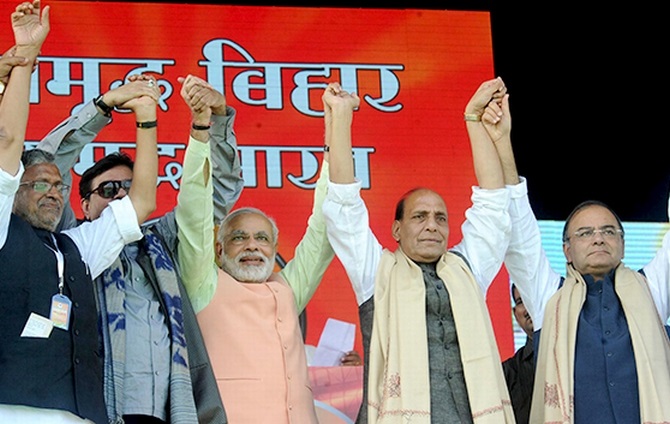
61,307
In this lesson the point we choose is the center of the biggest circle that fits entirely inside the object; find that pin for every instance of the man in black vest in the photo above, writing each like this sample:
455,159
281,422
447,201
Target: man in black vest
50,355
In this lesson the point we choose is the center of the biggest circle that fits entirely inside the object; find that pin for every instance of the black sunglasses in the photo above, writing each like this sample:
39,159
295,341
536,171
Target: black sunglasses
109,189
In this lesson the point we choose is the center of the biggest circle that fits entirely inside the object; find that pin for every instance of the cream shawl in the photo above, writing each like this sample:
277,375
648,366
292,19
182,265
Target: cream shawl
553,400
398,383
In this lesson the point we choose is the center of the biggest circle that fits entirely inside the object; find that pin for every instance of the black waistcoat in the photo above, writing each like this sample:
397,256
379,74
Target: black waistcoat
63,371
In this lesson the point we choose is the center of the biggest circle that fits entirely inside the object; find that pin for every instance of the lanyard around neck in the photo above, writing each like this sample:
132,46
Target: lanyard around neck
61,263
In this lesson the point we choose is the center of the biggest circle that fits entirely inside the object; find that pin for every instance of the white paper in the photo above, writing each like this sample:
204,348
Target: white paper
336,340
37,326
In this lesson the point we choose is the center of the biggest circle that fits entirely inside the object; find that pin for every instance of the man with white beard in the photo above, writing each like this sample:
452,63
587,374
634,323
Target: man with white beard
250,322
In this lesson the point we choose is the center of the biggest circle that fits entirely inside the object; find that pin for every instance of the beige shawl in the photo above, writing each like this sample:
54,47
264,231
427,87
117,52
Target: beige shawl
398,383
553,393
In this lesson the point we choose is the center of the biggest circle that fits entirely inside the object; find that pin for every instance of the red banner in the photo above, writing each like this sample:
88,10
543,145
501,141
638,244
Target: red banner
414,70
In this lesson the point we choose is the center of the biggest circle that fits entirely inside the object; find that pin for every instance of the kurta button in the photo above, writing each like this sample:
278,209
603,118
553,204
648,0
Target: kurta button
279,319
288,376
450,375
607,333
285,347
76,360
76,304
76,332
71,278
439,286
609,354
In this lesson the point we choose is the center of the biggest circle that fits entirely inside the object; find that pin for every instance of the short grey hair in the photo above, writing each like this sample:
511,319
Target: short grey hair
35,156
245,211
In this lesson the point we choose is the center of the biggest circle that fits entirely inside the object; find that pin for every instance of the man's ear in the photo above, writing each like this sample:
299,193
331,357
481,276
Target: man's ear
395,230
86,208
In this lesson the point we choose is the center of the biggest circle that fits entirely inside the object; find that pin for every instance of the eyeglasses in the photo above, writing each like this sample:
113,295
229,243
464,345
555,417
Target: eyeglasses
590,233
44,187
109,189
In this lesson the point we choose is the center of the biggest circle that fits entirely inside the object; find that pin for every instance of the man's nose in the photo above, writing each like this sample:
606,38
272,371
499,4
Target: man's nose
121,193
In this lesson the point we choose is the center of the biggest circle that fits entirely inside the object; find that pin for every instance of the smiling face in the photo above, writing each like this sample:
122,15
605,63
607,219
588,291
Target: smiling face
41,210
599,254
247,248
423,229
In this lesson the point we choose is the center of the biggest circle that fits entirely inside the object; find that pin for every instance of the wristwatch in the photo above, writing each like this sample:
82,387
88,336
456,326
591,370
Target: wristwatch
106,109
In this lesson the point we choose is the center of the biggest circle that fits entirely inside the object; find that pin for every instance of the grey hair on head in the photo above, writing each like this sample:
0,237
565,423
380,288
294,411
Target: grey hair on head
34,157
244,211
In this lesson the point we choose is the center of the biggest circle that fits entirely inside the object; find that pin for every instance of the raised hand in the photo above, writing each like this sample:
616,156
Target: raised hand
200,95
30,29
334,96
136,87
491,90
497,119
144,106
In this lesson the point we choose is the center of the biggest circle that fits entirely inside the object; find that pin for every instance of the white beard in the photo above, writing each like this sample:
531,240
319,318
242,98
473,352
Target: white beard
248,273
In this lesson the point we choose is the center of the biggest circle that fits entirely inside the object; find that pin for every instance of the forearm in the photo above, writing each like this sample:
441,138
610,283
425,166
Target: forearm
14,110
486,163
145,172
68,138
507,161
226,167
340,157
195,225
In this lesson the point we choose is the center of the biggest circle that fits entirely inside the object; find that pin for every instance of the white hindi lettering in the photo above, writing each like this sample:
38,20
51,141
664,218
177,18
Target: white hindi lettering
62,81
253,83
275,174
271,75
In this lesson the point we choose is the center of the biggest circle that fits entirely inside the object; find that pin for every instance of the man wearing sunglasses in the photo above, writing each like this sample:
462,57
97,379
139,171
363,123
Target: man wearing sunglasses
157,365
51,368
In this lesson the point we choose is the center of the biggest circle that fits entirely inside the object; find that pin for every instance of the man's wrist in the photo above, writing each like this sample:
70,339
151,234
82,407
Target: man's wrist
104,107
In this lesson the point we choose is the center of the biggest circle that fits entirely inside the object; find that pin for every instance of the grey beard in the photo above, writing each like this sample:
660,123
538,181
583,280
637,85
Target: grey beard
247,274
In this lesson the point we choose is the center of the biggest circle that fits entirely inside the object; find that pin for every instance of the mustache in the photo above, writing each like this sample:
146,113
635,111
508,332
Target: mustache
255,255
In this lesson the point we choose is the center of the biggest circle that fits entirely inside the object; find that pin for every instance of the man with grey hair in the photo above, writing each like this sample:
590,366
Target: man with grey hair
232,265
249,316
46,277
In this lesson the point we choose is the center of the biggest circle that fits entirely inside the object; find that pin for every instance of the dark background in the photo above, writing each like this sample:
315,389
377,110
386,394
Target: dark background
588,92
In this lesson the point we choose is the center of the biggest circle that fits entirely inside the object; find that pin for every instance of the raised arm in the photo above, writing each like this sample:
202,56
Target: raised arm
339,109
345,213
194,211
486,229
69,137
145,173
525,259
30,26
314,252
488,169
